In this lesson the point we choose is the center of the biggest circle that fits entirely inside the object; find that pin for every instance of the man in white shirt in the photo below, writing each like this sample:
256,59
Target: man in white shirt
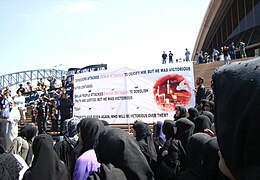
12,125
19,100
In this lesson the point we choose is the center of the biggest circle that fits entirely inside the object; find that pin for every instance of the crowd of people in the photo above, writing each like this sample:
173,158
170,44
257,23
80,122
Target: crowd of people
226,53
49,103
215,140
170,57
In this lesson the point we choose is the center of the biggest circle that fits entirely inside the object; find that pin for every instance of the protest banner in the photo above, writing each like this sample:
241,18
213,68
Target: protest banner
121,96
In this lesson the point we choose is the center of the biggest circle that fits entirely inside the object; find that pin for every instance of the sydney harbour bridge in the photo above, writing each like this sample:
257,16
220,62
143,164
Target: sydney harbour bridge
14,79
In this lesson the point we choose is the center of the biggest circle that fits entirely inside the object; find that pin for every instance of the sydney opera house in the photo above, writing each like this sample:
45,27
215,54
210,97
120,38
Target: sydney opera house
228,21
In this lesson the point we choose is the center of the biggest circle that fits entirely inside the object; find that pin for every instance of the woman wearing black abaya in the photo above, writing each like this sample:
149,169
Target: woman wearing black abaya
180,112
117,147
46,165
192,114
143,135
201,122
90,129
185,129
237,103
194,169
210,161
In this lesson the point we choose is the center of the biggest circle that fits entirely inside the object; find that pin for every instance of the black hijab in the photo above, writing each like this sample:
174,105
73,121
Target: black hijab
90,129
46,164
193,113
210,115
145,140
185,129
168,129
28,132
237,104
182,110
201,122
65,151
194,170
210,161
117,147
107,172
211,105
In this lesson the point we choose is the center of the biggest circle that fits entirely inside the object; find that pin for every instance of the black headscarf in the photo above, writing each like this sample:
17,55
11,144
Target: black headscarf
107,172
210,115
28,132
194,170
193,113
145,139
201,122
66,153
90,129
168,129
185,129
117,147
237,104
46,164
211,160
211,105
182,110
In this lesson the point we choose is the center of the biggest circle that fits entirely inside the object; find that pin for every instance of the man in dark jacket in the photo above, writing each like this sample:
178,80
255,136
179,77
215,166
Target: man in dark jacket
200,93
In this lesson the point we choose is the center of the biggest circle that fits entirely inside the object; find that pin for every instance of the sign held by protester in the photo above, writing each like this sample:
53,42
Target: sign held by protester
123,95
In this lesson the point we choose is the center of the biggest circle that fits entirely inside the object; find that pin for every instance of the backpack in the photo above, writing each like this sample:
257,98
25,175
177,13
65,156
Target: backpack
171,164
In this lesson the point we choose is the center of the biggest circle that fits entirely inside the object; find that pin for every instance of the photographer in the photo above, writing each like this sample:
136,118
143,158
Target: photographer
41,115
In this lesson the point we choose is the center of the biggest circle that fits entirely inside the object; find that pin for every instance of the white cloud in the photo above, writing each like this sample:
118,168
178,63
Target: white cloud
80,6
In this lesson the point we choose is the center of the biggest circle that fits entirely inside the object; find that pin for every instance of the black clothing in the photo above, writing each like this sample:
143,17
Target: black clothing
183,112
209,115
168,129
117,147
237,104
41,116
90,129
9,167
107,172
185,129
200,93
193,113
194,170
46,164
210,161
3,132
66,153
64,108
201,122
145,140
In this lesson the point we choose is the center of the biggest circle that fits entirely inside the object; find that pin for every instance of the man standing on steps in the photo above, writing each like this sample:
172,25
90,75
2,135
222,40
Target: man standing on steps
200,92
164,56
170,57
12,124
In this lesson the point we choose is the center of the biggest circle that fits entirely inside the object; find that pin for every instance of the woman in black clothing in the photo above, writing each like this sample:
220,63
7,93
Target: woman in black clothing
237,102
46,164
194,169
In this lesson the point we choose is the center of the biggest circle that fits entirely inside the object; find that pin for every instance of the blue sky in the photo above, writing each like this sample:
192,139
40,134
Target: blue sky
40,34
